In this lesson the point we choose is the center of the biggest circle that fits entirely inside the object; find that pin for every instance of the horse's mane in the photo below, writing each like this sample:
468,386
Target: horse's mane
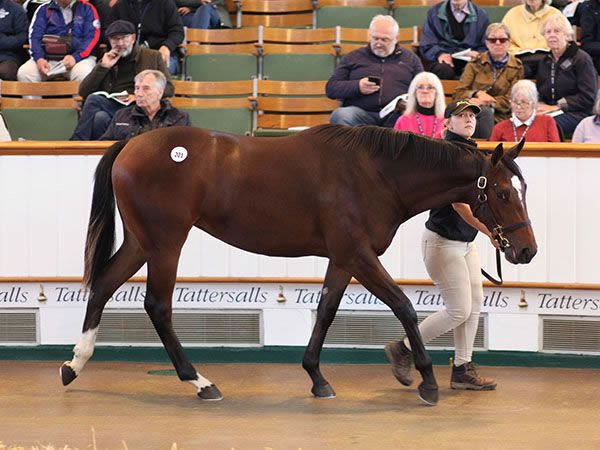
386,142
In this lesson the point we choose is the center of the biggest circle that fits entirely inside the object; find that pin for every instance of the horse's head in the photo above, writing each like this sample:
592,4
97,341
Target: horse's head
500,204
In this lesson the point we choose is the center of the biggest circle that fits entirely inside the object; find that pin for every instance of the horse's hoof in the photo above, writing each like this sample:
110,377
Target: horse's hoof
210,393
429,395
67,374
323,391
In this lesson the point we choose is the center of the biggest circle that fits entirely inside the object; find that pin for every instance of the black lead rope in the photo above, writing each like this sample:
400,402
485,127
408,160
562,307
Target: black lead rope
498,268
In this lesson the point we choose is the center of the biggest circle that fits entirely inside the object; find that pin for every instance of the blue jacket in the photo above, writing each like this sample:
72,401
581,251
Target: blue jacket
84,28
396,72
437,37
13,30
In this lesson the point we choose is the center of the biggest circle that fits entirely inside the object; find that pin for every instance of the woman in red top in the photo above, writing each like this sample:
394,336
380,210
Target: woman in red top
524,121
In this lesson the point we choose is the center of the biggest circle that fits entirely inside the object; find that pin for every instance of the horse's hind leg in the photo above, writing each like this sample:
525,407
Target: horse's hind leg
162,272
121,266
334,286
371,274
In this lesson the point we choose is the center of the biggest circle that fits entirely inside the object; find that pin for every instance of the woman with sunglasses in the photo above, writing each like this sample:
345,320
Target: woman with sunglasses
487,80
424,113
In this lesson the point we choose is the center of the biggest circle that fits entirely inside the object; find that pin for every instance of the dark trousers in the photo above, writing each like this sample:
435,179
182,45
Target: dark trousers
530,64
8,70
95,117
205,17
446,71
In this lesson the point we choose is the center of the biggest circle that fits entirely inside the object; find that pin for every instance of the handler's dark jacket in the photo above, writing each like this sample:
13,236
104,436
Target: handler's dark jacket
446,221
575,80
131,121
396,72
119,77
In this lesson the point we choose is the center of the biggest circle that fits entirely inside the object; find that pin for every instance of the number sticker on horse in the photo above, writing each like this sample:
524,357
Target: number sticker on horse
178,154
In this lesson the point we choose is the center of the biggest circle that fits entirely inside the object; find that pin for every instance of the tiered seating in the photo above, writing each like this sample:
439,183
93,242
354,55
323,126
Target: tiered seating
350,13
276,13
216,105
212,54
52,115
294,54
282,105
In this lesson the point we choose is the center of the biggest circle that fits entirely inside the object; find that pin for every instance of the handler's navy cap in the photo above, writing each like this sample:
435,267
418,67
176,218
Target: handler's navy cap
455,108
120,27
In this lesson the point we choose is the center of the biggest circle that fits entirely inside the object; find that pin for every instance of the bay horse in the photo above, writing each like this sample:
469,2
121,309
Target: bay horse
330,191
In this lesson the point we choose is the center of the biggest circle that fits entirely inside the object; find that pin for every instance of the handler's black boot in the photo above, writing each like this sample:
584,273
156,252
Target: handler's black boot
466,377
400,357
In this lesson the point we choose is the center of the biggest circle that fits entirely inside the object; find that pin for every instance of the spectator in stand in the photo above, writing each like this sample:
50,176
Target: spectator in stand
369,78
13,34
566,78
78,22
487,81
204,14
527,43
453,26
424,113
158,26
524,121
149,112
590,30
113,74
588,130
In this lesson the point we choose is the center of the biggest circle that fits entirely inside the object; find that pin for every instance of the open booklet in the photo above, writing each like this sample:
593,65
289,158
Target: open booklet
532,51
57,70
392,105
464,55
121,97
556,112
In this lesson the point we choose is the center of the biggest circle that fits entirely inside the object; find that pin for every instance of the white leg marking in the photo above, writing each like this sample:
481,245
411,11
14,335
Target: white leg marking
83,350
200,382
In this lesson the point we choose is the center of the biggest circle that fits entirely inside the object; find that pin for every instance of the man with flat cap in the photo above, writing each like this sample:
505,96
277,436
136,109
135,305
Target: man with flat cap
115,73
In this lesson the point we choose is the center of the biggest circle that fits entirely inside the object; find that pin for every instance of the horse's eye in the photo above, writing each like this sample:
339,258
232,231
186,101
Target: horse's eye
502,195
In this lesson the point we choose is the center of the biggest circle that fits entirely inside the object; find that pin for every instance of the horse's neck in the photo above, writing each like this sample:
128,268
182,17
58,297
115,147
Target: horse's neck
441,187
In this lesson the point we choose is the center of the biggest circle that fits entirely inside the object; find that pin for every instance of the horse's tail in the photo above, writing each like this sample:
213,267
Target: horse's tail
100,240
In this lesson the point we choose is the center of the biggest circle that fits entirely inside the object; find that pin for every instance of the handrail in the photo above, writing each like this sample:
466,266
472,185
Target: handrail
82,148
312,280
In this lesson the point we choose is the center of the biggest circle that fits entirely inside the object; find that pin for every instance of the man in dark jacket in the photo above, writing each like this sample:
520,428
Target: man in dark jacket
453,26
368,79
149,111
76,19
158,25
13,34
115,73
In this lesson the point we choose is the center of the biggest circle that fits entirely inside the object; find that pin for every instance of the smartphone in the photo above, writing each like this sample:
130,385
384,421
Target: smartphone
375,80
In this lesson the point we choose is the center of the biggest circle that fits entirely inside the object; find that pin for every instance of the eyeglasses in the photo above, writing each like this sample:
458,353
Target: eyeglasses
520,104
497,40
427,87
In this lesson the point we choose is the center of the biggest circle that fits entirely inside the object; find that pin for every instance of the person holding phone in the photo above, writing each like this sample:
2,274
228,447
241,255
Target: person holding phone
369,78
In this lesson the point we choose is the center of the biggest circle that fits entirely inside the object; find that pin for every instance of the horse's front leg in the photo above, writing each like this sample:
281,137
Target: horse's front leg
372,275
123,264
162,271
334,286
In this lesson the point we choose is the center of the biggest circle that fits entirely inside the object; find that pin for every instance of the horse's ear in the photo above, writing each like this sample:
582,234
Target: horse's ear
497,155
514,152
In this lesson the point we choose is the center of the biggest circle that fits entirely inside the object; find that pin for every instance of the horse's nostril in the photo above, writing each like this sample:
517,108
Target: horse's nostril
526,254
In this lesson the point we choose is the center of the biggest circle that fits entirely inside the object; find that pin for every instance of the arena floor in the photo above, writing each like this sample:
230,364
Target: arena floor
269,406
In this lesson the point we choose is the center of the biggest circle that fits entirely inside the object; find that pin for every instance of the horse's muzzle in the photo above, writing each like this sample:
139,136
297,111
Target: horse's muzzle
524,256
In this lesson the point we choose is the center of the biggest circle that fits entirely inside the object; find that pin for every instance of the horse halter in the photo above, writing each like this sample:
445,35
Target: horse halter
498,230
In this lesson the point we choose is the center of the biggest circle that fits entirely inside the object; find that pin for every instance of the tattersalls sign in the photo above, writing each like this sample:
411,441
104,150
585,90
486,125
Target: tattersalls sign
304,296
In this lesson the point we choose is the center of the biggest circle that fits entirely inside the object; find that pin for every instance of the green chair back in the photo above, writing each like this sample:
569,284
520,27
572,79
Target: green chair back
351,17
44,124
298,67
408,16
496,13
232,120
221,67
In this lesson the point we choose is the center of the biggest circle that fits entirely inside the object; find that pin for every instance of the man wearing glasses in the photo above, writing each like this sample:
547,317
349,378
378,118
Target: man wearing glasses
453,26
369,78
115,74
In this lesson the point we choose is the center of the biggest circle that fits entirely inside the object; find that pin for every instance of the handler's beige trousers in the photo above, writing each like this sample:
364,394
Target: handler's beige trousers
455,269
